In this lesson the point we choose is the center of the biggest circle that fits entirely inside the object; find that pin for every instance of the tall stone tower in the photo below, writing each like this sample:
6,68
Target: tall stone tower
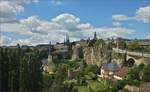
50,64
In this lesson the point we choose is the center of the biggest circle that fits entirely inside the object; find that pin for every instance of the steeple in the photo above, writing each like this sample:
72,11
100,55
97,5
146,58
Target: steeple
67,39
50,64
95,36
49,48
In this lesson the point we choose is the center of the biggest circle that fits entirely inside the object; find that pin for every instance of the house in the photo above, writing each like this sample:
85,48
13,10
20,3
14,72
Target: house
122,73
109,69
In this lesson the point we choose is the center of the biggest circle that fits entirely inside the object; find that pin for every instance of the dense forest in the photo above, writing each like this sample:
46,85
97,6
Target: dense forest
20,72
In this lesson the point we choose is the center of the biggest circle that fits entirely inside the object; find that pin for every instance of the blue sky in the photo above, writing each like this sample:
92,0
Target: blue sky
97,13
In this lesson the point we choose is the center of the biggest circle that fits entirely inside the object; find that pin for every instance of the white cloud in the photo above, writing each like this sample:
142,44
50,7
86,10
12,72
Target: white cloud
8,11
120,17
22,1
42,31
32,23
142,14
68,21
10,8
56,2
148,36
56,29
116,24
15,28
85,26
5,40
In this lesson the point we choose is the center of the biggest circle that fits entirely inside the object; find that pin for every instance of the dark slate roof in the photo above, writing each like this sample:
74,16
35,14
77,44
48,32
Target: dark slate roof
110,66
44,61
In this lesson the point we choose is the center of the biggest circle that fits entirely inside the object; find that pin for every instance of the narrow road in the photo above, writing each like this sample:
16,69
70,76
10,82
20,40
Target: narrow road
139,54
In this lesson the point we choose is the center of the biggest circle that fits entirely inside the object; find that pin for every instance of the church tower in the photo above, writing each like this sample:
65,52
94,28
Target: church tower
49,52
50,64
95,36
67,39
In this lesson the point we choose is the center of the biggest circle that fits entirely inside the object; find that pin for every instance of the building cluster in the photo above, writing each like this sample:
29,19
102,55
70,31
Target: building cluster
112,71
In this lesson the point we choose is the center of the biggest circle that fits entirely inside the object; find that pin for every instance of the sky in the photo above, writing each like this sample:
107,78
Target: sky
32,22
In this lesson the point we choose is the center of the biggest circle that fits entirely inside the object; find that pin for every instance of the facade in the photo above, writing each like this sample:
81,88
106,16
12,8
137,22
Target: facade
48,65
122,73
109,69
113,71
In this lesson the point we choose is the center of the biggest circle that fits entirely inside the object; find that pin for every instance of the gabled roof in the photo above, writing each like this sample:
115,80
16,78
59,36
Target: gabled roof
122,72
110,66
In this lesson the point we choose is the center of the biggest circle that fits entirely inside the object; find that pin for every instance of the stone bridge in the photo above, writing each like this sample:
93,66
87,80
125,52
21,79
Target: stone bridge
138,57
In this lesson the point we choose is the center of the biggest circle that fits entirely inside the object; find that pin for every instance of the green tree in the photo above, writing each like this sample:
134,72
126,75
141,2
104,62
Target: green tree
146,76
24,75
19,71
14,66
4,70
35,73
134,46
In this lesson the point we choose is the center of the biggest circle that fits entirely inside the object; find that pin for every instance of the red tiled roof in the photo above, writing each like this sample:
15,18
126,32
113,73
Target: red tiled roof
122,72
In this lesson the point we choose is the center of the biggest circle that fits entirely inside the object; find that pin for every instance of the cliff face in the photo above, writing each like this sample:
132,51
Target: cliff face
77,52
98,55
95,52
93,55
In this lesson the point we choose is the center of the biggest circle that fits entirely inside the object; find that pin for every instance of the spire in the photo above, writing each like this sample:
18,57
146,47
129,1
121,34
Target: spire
67,39
95,36
64,40
49,47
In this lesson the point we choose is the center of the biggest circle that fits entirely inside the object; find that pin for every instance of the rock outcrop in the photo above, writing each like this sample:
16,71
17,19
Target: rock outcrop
93,55
77,52
132,88
144,87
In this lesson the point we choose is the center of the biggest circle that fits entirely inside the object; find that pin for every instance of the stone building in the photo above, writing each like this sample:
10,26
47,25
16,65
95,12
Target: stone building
109,69
50,65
